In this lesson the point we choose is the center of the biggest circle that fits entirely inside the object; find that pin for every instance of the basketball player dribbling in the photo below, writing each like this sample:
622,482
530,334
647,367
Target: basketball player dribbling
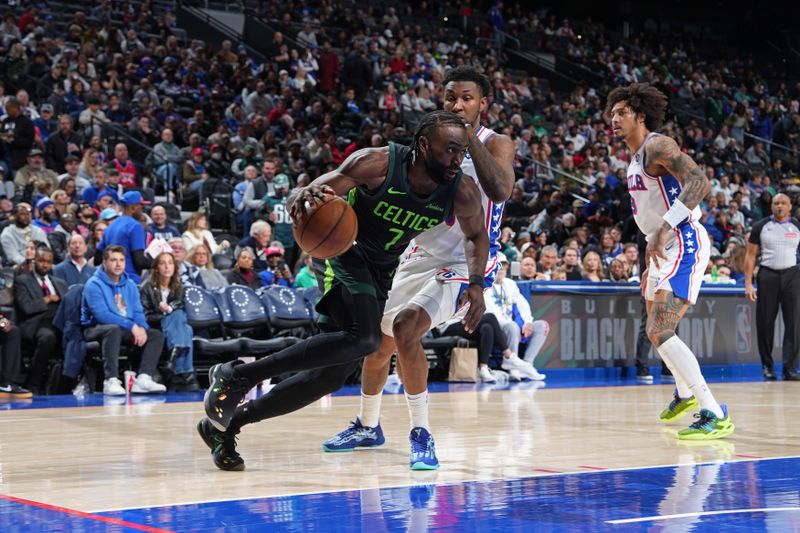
431,275
666,187
397,193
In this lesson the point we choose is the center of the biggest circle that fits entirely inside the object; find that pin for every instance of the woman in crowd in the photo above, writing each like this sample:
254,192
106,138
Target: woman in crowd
89,165
162,300
197,233
242,272
200,256
593,267
97,229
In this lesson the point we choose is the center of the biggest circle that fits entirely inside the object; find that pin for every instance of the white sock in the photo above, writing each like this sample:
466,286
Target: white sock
370,413
418,409
680,383
679,356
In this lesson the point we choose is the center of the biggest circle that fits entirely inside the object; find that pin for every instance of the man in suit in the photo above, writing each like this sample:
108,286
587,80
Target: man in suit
36,296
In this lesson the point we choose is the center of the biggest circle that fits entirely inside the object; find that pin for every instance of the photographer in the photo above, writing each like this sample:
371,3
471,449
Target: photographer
277,272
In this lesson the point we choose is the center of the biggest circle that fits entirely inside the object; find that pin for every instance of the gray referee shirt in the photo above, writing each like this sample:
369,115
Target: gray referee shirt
778,242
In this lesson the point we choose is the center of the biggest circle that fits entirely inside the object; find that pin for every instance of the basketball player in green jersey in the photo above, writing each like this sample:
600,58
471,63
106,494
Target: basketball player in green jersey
397,192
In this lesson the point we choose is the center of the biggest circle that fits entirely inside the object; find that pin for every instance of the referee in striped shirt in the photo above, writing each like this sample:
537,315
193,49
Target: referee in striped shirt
777,238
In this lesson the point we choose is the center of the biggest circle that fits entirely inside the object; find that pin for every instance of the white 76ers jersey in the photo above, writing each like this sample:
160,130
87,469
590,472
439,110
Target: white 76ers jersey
652,196
446,241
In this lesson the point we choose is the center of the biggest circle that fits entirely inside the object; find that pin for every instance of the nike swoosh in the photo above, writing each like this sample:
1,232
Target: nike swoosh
393,191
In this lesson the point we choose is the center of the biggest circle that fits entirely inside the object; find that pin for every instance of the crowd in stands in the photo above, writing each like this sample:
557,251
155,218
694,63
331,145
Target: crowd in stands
106,105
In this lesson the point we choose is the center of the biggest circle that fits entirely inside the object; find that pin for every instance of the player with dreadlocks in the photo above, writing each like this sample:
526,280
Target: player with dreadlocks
397,193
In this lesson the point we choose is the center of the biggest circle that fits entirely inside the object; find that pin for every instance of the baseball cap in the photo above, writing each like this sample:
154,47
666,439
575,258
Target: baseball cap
103,195
197,151
577,203
47,107
502,257
109,213
133,198
281,181
44,202
34,152
273,250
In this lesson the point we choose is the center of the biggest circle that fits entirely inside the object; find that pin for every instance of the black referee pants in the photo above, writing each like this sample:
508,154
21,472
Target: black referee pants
778,288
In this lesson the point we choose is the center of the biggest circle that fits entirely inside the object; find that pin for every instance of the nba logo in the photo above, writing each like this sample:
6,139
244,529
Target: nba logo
744,329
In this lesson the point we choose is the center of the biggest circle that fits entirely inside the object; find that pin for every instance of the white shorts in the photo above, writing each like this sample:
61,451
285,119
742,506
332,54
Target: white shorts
683,270
431,284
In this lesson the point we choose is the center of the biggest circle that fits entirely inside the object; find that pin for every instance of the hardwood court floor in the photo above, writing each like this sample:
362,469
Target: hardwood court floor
148,454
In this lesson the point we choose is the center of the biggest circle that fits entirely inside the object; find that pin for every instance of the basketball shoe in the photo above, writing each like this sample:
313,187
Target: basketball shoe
423,450
225,391
708,426
222,445
356,436
678,408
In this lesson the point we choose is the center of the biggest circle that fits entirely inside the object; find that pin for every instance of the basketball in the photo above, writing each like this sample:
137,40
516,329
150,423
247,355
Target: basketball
328,231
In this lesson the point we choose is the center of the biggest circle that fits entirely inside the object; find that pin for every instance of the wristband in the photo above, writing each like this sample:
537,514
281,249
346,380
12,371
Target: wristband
677,213
475,279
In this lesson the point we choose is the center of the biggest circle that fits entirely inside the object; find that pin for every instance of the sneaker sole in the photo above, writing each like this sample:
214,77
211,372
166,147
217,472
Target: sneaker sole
424,466
10,396
717,434
345,450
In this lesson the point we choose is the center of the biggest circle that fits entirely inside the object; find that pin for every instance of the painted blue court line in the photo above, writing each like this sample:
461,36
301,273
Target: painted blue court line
733,496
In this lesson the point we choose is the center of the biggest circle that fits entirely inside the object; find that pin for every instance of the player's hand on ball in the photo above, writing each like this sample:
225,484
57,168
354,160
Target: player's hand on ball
309,198
473,297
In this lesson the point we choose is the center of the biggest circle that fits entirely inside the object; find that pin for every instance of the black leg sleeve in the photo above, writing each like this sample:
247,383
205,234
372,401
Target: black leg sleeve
360,336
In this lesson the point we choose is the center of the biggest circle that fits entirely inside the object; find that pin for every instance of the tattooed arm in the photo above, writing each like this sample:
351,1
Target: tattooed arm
664,157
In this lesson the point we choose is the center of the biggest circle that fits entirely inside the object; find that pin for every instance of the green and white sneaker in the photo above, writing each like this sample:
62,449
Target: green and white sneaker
678,408
708,426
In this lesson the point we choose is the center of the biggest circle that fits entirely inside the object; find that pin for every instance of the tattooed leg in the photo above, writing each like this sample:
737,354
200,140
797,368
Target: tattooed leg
663,316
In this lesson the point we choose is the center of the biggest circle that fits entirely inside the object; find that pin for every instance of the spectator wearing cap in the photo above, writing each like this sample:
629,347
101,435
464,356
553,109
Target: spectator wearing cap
161,227
218,166
47,219
18,135
258,241
278,216
194,172
247,159
128,175
92,193
36,298
15,237
74,269
277,271
33,173
128,232
166,158
46,123
109,215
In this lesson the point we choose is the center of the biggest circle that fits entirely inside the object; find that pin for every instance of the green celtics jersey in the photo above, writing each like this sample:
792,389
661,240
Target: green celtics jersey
390,217
282,229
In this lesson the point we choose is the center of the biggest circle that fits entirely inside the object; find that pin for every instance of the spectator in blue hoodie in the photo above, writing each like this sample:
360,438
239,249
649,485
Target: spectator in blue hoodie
112,313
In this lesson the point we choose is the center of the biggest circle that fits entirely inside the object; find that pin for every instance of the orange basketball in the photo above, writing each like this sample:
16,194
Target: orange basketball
328,231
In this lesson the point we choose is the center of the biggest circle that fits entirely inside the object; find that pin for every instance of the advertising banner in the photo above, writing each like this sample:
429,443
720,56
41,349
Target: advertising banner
597,325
